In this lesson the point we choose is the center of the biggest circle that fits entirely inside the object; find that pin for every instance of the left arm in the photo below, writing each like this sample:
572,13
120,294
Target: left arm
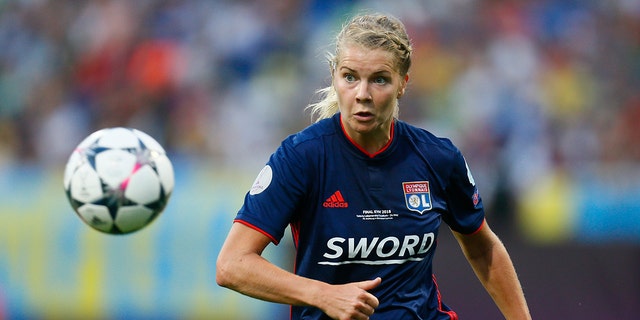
492,265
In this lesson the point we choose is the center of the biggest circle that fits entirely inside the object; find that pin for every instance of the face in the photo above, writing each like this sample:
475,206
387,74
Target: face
368,86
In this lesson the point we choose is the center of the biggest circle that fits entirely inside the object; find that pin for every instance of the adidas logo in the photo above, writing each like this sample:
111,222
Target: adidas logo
335,201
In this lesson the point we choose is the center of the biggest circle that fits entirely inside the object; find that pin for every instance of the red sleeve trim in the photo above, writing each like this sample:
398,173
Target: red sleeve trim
484,221
274,240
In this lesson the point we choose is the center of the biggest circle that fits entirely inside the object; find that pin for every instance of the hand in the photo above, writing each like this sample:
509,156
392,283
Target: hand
351,301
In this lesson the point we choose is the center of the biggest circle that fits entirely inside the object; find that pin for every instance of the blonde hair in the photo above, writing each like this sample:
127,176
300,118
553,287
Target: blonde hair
372,31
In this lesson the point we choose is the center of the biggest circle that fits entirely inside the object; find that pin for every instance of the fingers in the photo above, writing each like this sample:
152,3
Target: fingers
369,284
369,302
367,309
369,299
352,300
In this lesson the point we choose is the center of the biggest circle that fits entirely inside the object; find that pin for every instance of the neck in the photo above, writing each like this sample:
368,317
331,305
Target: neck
371,143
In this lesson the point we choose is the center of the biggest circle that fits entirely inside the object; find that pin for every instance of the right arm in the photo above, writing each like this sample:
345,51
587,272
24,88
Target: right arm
241,267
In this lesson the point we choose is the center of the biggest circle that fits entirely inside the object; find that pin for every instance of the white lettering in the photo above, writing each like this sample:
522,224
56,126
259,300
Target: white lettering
408,244
390,250
361,246
331,244
427,242
394,248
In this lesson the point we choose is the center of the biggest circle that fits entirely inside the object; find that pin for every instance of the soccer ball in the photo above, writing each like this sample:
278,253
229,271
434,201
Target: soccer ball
118,180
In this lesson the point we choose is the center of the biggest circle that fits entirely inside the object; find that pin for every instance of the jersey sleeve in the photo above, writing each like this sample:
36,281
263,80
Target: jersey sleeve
466,211
271,202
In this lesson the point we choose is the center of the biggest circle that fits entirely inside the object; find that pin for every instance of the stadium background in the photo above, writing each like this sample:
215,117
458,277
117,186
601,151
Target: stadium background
542,97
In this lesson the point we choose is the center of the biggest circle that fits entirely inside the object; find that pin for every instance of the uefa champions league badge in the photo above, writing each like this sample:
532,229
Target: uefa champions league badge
263,180
417,196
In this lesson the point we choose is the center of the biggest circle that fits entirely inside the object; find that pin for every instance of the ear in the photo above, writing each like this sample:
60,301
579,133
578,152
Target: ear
403,86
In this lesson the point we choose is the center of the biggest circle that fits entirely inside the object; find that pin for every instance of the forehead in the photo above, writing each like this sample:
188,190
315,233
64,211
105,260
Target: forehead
362,59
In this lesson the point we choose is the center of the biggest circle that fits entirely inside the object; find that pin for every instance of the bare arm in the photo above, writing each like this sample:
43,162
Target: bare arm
241,267
493,267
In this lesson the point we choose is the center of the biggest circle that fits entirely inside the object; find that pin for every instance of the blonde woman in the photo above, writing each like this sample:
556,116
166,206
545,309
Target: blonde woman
364,194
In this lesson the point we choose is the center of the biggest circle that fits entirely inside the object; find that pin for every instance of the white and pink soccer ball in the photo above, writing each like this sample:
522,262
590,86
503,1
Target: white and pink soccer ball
118,180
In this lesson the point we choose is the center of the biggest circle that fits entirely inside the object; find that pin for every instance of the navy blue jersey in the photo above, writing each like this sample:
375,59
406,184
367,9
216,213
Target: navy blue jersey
356,216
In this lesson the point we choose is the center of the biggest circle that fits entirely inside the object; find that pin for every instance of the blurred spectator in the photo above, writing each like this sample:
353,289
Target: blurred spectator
532,91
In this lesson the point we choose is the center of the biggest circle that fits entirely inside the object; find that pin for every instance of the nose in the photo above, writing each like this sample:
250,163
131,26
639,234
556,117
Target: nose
363,93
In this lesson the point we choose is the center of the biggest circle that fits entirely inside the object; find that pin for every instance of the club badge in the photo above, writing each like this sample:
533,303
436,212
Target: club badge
417,196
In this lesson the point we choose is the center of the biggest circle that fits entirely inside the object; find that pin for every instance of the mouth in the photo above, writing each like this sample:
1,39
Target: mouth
363,116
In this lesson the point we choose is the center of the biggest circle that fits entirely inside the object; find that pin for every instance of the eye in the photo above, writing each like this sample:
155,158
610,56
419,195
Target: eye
380,80
349,77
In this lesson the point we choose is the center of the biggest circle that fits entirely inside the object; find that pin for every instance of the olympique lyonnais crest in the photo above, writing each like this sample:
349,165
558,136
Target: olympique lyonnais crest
417,196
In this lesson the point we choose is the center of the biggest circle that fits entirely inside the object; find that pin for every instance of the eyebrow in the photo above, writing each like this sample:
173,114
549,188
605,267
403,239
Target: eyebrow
379,72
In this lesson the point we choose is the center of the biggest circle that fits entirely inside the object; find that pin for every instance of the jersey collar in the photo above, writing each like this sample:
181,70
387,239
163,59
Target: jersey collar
370,155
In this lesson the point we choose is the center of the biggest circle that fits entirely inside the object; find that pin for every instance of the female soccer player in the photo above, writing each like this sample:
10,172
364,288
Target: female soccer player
364,194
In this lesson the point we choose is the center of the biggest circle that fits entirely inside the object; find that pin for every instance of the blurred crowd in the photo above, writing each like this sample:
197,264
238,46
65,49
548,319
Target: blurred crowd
527,89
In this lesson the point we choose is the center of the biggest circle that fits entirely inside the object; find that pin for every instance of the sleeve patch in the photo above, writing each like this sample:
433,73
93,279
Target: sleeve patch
263,180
